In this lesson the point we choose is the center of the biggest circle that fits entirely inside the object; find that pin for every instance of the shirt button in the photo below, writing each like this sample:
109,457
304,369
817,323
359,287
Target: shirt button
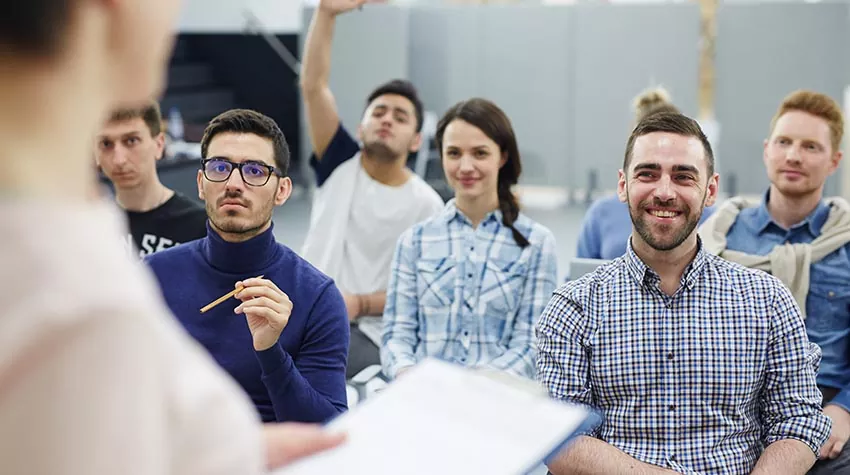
673,457
465,332
670,355
672,407
469,275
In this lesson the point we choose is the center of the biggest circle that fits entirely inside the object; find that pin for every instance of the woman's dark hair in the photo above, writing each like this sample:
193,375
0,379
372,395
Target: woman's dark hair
490,119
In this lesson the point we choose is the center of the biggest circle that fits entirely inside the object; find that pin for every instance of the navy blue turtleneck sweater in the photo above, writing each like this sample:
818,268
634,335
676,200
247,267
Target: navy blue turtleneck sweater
302,377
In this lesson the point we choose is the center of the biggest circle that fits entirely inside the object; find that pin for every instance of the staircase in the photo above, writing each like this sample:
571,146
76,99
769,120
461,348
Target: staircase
194,90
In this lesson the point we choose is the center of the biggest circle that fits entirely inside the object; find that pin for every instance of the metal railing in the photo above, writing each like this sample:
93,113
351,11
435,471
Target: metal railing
253,24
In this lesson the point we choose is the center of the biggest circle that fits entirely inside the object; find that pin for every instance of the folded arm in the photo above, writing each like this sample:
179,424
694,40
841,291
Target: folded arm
790,402
590,456
785,457
564,369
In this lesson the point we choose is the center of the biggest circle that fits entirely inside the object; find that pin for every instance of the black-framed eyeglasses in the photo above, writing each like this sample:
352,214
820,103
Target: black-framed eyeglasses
219,169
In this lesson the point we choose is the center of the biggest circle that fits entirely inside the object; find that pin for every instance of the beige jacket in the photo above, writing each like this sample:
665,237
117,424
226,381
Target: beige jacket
96,376
790,263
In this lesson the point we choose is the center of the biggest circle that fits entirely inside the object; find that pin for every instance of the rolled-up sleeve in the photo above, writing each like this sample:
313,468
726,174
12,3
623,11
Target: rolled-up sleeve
791,401
563,366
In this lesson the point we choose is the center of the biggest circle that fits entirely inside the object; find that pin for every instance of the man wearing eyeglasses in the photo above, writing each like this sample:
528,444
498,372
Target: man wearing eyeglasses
284,336
127,149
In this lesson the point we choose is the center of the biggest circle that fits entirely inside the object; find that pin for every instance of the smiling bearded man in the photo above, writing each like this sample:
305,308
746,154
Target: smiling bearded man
699,365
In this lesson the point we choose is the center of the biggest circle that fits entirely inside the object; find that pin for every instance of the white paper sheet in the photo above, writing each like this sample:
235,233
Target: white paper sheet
443,419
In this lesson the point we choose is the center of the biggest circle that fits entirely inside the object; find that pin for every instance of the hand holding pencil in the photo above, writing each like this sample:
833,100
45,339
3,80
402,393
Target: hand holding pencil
265,306
266,309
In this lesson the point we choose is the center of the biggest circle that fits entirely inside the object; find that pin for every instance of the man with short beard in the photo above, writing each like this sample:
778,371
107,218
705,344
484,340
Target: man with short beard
284,336
366,197
699,365
803,239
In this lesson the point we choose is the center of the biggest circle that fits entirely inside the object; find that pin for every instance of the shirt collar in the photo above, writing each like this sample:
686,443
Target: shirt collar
644,274
814,221
452,213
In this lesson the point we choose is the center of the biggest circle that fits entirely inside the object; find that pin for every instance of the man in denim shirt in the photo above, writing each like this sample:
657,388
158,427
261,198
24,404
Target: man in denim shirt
803,239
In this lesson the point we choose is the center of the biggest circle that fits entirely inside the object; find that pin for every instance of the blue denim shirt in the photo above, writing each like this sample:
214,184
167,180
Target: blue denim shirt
828,302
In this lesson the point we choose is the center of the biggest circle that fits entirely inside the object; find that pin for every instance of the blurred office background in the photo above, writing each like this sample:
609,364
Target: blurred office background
564,71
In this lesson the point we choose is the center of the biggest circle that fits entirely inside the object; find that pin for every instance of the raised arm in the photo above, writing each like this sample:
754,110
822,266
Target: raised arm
401,314
319,103
795,427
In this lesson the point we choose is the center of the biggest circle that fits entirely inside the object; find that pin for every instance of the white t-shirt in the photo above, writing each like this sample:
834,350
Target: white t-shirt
356,223
378,215
96,376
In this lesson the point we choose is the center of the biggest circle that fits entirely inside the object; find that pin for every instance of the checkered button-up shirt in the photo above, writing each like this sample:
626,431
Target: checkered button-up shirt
468,295
699,382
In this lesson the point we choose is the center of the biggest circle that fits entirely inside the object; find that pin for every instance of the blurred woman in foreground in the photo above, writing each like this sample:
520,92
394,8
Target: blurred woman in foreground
96,377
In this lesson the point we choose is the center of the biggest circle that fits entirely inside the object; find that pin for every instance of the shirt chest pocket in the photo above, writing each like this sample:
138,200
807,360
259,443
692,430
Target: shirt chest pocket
828,302
501,287
435,282
828,305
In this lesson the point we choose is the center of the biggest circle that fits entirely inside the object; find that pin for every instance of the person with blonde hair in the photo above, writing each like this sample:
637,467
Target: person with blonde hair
96,376
606,226
803,238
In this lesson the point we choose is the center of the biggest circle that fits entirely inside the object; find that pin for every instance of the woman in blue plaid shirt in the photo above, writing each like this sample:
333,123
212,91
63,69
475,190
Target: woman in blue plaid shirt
468,284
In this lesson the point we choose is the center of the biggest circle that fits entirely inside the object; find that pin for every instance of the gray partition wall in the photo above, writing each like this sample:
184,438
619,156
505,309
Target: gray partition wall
765,51
566,75
567,84
619,52
465,51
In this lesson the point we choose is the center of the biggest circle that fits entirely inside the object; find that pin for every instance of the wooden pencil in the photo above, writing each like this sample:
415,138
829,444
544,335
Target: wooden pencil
223,298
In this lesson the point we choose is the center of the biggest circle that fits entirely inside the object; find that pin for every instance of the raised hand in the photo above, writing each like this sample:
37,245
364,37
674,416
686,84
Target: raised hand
266,308
335,7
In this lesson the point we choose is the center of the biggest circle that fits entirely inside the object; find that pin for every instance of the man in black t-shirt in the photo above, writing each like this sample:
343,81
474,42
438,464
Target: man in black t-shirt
127,150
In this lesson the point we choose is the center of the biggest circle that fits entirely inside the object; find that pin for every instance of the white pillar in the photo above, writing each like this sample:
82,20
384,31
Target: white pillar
844,168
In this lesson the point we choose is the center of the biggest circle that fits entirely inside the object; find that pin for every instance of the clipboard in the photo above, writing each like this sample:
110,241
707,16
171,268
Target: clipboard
448,419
